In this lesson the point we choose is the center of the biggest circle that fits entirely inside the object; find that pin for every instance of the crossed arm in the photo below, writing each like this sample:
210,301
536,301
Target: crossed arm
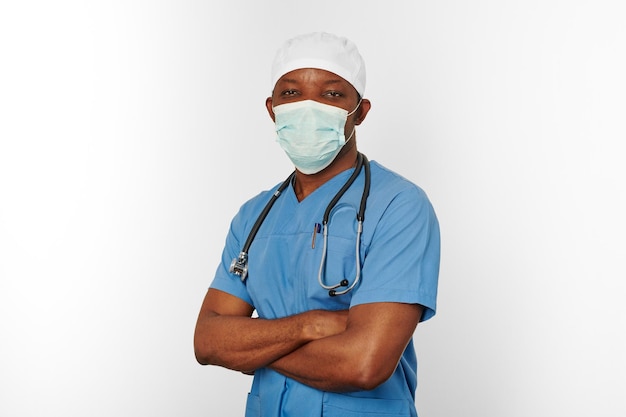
328,350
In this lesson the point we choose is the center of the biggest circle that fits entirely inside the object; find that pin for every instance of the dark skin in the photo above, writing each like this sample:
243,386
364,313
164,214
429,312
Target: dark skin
328,88
328,350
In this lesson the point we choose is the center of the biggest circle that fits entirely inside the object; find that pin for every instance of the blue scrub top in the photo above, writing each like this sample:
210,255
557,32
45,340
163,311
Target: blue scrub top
400,263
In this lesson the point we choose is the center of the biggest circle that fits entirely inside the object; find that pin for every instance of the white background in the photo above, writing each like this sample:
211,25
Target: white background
131,132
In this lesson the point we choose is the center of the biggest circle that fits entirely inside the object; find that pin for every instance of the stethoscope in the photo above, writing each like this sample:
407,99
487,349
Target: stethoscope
239,265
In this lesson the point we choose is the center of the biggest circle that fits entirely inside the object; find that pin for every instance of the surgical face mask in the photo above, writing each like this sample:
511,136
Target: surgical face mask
311,133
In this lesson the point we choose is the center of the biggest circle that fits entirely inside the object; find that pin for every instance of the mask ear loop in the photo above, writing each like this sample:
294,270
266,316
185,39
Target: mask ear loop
355,109
354,127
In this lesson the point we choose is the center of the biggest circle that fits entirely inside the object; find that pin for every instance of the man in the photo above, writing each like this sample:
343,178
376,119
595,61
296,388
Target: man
317,348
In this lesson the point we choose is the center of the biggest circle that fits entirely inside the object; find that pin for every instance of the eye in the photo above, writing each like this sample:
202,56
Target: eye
289,93
333,94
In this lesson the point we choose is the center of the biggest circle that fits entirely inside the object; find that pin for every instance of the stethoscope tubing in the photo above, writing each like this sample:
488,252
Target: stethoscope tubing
239,265
333,289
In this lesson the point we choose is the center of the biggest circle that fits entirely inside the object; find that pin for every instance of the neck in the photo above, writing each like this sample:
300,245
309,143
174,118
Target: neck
306,184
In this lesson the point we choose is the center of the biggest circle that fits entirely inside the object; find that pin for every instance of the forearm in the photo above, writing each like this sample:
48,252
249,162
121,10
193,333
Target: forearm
244,343
362,357
326,364
227,336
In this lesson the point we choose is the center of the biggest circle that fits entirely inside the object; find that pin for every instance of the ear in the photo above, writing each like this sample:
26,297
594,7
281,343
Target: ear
269,107
364,108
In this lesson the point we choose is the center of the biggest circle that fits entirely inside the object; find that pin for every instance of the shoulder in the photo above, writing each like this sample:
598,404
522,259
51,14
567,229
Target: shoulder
250,209
397,205
391,186
257,202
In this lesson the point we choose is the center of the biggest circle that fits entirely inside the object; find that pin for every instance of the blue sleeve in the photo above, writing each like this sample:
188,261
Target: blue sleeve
224,280
401,263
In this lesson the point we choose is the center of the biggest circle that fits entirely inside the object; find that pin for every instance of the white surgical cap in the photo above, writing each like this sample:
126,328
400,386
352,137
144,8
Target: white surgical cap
323,51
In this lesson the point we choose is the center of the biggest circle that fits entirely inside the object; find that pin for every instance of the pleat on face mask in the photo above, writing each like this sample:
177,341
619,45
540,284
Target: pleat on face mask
311,133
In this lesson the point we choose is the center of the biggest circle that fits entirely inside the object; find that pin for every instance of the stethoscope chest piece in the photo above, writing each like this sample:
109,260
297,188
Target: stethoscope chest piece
239,266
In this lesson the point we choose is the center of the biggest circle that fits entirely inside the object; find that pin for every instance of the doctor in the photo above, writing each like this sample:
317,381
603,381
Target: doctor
313,353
